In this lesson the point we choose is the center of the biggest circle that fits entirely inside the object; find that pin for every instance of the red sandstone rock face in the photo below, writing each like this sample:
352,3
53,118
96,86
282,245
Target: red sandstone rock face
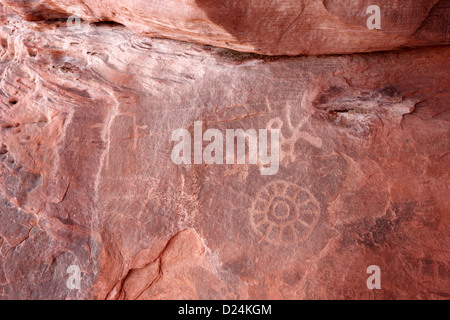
87,178
286,27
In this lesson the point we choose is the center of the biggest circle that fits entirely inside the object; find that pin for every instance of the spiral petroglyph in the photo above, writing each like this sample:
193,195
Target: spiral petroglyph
284,213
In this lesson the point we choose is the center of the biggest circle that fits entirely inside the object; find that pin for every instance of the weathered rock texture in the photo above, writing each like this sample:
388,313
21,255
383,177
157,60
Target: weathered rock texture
87,178
281,27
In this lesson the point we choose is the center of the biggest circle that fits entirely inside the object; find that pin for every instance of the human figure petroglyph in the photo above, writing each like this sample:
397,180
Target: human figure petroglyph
291,132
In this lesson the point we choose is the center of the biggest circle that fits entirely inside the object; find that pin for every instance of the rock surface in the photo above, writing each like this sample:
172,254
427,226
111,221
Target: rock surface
282,27
87,179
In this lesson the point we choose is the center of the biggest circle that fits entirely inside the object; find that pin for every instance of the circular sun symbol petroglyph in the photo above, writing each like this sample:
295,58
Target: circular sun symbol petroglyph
283,213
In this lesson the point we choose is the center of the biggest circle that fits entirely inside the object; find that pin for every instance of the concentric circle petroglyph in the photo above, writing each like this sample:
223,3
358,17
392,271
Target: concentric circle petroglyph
283,213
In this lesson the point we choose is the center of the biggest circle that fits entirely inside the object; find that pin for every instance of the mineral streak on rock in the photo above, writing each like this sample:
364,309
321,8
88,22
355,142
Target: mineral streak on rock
86,177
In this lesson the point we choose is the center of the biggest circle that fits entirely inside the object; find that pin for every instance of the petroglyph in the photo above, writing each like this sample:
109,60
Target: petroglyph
284,213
